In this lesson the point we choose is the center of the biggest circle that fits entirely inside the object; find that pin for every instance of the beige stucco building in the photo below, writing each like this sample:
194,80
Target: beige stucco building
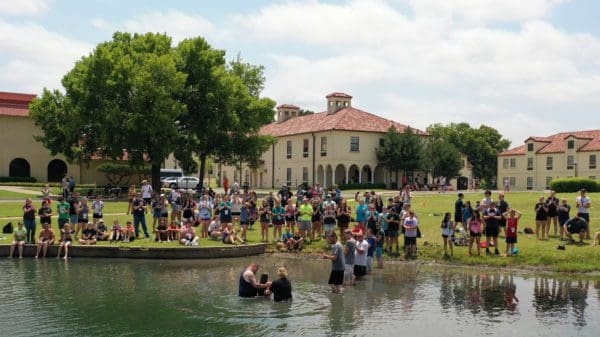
21,155
336,146
533,165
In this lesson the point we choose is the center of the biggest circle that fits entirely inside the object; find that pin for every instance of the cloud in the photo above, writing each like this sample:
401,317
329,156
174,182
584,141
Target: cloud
175,23
23,7
33,57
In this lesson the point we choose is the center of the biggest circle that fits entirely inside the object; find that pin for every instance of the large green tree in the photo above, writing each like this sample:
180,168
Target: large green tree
119,101
223,109
442,159
481,146
401,151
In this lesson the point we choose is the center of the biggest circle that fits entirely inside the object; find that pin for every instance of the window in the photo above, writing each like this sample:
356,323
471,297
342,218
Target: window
346,104
305,175
529,183
288,177
548,180
330,103
513,162
549,163
305,148
530,147
323,146
354,144
381,141
592,161
289,149
529,164
505,163
513,181
570,162
570,144
593,177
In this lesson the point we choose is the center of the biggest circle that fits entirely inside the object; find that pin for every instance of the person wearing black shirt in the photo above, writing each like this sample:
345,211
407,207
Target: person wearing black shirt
45,213
503,208
541,218
89,235
491,217
281,288
73,206
458,206
139,215
552,204
576,225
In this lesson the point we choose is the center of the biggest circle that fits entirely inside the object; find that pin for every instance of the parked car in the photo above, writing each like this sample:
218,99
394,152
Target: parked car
168,174
186,183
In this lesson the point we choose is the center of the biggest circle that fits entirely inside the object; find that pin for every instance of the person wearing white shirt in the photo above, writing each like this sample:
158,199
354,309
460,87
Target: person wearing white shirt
146,192
583,203
360,259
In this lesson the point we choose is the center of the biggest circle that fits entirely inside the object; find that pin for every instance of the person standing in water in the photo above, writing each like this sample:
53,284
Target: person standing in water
248,285
338,265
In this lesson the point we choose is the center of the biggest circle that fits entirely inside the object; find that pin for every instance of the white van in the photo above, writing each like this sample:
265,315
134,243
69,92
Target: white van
170,174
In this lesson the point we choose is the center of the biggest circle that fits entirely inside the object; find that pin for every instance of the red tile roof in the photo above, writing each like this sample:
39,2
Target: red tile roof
557,143
348,119
338,94
288,106
15,104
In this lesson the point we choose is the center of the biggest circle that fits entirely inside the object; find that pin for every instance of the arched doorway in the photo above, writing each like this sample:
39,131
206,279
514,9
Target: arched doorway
56,170
19,167
321,175
366,175
379,175
462,183
328,177
353,174
340,174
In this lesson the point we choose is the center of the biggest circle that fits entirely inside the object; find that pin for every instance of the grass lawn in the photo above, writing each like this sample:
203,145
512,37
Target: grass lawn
429,207
4,194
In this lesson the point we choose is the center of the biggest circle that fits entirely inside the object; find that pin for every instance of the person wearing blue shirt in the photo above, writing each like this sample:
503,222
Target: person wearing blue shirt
372,241
361,213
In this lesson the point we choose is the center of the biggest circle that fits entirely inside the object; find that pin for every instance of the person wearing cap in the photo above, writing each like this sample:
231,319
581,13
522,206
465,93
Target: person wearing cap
88,235
146,191
583,203
248,285
102,233
282,287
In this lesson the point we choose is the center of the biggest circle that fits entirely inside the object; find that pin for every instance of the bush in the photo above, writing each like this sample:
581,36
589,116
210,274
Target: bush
18,179
356,186
567,185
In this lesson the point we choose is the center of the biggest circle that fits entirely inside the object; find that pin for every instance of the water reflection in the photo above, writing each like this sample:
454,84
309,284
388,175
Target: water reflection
155,298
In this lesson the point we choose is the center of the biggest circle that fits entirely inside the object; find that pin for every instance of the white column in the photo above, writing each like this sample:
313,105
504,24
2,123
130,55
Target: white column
372,176
360,176
332,177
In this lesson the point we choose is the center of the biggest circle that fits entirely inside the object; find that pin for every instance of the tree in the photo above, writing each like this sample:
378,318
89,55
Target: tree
119,103
481,146
443,160
401,151
303,112
223,109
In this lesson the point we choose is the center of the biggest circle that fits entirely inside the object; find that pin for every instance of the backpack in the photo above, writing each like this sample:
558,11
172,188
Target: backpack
8,228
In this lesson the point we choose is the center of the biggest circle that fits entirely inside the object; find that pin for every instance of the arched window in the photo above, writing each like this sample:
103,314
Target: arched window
56,170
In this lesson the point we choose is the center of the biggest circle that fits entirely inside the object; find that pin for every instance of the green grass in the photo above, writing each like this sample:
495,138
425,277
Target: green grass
533,253
4,194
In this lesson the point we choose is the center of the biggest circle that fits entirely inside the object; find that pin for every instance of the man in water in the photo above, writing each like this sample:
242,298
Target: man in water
336,278
248,284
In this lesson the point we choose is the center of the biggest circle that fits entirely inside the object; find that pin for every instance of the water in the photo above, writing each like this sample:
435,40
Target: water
90,297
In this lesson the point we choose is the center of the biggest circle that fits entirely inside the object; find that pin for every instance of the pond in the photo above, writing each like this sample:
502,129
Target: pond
101,297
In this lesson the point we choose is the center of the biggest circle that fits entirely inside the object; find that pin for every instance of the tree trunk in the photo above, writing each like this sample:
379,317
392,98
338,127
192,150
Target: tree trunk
156,178
202,169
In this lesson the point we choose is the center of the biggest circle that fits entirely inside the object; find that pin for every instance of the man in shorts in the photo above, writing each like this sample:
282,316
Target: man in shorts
349,255
336,277
306,212
393,221
583,203
492,217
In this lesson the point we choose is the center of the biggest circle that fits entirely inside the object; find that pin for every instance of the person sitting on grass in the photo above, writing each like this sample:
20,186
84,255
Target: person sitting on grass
89,235
188,235
66,240
116,232
512,222
576,225
46,239
102,231
128,232
214,230
295,242
162,231
230,236
20,236
174,231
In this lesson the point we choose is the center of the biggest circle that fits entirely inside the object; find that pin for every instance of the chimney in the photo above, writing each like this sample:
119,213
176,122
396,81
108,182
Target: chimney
337,101
287,111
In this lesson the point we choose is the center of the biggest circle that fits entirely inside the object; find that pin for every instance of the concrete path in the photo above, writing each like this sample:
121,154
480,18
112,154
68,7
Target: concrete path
19,189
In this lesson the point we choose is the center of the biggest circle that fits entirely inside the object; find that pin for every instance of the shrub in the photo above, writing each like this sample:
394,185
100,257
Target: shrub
567,185
18,179
356,186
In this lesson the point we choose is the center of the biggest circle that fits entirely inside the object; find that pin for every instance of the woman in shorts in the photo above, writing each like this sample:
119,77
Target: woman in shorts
130,195
66,240
205,214
290,215
475,226
265,220
278,213
343,216
447,233
317,219
82,216
541,218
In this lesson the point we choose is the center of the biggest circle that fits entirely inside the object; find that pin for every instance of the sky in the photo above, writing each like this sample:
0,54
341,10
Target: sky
524,67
